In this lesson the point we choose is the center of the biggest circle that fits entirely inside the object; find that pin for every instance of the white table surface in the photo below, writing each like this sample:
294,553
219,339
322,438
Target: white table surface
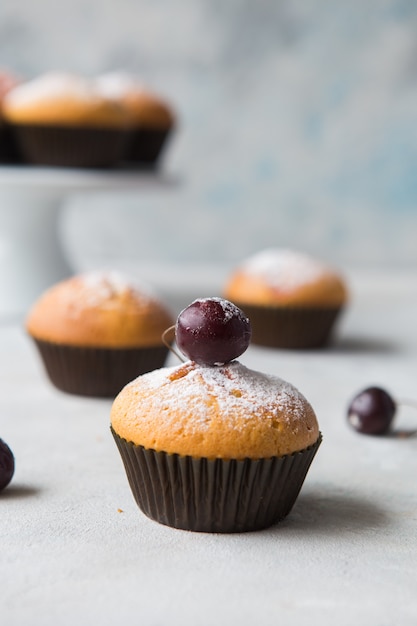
75,549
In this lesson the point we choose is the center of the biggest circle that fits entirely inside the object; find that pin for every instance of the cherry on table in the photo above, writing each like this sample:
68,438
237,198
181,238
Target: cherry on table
6,464
371,411
212,331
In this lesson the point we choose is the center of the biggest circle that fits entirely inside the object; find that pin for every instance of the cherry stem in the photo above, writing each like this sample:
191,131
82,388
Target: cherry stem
168,343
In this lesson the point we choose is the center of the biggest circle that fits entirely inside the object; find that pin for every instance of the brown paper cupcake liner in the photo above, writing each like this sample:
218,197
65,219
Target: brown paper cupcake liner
8,148
291,327
146,145
214,495
71,147
97,372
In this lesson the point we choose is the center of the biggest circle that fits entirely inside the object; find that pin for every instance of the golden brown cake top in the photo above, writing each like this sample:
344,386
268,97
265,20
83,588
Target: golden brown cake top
62,99
101,309
148,110
285,277
143,106
224,412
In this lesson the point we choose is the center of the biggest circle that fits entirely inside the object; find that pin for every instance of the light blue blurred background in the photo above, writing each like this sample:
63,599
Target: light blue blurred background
298,125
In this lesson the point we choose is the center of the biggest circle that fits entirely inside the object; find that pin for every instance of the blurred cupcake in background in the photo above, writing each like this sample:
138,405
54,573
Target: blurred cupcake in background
8,150
292,299
151,118
60,119
97,331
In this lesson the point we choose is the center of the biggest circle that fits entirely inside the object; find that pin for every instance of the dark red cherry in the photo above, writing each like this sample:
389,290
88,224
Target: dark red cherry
212,331
6,464
371,412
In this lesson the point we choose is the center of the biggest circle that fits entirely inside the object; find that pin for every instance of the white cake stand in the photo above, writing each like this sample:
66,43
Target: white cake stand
31,256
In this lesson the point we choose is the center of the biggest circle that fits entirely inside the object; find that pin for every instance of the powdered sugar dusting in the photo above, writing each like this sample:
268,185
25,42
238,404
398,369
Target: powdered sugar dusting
56,85
118,84
103,288
229,309
285,269
235,389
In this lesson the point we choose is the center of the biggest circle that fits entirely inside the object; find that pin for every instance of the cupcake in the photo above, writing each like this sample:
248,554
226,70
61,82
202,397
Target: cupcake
210,445
97,331
151,118
293,300
8,150
61,119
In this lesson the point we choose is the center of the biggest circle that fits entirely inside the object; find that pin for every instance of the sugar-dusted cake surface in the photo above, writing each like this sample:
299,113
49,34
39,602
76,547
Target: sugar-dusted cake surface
143,106
59,98
226,412
101,309
283,276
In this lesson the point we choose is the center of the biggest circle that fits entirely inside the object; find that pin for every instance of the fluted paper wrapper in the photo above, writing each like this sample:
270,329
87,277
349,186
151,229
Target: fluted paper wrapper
71,146
97,372
9,153
214,495
291,327
146,145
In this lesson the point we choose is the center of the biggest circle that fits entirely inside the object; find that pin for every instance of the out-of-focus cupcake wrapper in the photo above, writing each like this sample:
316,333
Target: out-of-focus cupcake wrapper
97,372
291,327
64,146
146,145
214,495
8,149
